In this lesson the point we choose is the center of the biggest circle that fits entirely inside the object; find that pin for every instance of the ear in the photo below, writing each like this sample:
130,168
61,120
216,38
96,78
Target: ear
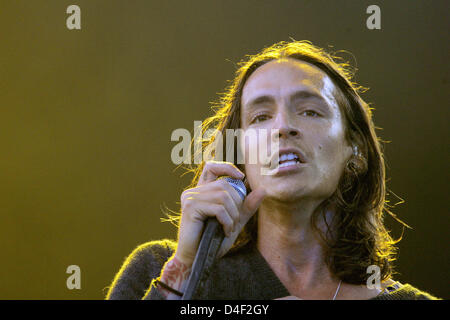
349,150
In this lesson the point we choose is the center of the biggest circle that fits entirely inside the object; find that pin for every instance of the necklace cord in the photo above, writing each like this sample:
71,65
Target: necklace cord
337,290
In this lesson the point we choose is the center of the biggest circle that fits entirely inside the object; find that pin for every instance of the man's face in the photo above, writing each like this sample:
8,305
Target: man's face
297,99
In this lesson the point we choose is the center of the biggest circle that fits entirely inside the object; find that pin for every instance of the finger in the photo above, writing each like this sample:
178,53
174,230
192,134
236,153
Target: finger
214,169
223,184
252,202
216,186
220,196
208,209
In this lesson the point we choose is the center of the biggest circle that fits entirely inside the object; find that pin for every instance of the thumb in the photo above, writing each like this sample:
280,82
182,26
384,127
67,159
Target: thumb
253,201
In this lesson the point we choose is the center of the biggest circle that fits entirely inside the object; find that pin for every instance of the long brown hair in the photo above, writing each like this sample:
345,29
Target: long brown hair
360,238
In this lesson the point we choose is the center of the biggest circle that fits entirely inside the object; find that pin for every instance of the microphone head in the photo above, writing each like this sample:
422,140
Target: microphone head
238,185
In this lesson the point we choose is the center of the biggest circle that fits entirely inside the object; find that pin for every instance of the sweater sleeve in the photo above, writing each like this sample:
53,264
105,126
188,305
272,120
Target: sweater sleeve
405,291
134,281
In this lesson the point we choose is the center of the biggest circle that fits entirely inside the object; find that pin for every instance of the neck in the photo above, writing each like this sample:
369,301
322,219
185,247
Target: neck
291,247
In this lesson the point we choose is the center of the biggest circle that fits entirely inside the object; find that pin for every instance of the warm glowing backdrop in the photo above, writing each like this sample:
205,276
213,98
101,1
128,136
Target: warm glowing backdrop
86,118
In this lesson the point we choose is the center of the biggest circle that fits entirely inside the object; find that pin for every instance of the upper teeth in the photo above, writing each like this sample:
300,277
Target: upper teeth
288,156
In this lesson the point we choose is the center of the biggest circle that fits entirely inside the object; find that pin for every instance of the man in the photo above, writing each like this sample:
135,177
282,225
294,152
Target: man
312,225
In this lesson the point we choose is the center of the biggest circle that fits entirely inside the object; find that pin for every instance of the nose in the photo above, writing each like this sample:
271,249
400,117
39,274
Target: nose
283,124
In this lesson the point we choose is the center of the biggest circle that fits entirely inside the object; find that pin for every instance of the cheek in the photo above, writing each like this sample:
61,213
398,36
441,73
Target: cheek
247,147
332,149
255,152
256,146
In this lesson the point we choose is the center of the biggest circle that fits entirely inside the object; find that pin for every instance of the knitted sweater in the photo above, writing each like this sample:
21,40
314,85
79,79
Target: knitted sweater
243,274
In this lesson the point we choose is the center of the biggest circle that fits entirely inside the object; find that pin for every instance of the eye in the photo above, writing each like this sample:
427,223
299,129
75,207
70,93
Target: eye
310,113
260,118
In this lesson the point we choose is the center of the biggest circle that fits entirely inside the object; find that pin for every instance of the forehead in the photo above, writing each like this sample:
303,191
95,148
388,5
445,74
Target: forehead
281,77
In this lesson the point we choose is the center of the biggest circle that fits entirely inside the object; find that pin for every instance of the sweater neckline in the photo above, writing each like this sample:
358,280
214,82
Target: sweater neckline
267,277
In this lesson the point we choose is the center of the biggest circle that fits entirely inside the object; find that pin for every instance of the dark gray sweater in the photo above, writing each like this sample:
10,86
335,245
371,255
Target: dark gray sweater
243,274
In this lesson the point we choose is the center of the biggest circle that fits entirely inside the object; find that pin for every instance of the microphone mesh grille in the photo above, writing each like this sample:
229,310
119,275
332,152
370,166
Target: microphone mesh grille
238,185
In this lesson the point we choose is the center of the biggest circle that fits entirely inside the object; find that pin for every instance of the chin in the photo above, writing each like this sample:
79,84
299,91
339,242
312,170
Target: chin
288,194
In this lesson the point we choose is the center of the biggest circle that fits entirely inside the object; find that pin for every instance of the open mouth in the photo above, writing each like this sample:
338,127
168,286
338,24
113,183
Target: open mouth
288,159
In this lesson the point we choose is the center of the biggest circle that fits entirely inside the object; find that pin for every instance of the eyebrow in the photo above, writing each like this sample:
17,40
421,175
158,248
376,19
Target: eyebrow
297,95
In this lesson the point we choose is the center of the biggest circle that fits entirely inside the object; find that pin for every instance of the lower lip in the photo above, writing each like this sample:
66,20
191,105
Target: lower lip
290,168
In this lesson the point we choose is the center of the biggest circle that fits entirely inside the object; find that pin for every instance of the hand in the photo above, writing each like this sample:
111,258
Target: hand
210,198
214,198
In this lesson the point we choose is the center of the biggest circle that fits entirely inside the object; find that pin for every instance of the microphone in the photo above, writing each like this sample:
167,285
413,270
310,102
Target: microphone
209,245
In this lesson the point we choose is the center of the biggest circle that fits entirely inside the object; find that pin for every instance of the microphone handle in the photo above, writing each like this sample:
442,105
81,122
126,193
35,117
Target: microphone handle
208,248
